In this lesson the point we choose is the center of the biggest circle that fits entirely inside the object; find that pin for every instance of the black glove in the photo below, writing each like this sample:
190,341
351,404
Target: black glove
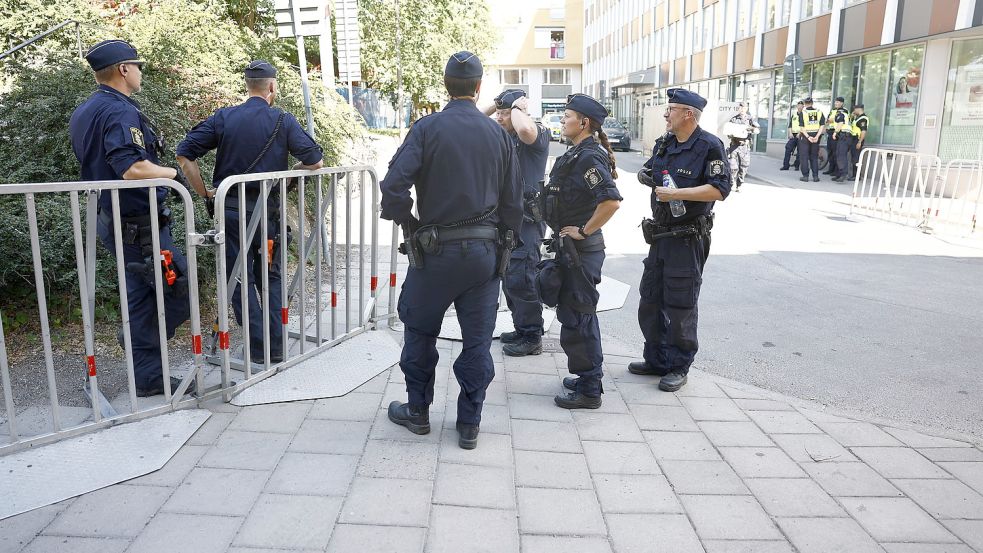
210,206
645,177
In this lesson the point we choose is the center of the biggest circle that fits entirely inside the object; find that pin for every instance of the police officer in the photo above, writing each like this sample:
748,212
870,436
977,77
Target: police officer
580,198
532,143
858,137
793,138
252,137
739,150
113,139
469,195
837,122
679,245
812,123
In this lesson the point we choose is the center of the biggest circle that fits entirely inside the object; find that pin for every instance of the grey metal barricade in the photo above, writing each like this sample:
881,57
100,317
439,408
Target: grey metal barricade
955,200
895,185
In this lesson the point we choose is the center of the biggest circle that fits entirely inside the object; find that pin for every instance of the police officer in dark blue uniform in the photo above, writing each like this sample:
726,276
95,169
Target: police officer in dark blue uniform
580,198
252,137
679,245
114,140
532,143
469,195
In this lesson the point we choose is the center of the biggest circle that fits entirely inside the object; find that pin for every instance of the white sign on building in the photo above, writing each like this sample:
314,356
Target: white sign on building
310,14
349,45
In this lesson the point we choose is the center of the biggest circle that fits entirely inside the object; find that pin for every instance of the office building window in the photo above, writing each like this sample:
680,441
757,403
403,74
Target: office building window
962,118
513,76
813,8
873,93
904,79
847,72
556,76
552,38
720,22
743,14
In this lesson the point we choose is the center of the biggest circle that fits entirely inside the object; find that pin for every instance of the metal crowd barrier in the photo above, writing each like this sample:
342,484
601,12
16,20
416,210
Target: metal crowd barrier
955,200
895,185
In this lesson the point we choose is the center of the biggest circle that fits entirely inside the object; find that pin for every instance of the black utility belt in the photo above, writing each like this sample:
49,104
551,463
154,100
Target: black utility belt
700,226
430,238
135,226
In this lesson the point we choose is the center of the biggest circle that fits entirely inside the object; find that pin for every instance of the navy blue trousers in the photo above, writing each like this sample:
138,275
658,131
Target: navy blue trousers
462,274
831,149
667,310
790,146
520,282
141,299
844,145
580,333
808,157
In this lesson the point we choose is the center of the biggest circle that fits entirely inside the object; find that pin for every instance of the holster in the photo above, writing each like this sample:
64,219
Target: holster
533,211
505,247
410,247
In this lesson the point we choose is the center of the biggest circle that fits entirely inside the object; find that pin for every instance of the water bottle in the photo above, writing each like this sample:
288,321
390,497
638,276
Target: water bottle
677,207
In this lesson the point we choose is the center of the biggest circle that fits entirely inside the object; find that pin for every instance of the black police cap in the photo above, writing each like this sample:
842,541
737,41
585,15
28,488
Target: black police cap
260,69
855,106
686,98
508,97
463,65
110,52
840,99
586,105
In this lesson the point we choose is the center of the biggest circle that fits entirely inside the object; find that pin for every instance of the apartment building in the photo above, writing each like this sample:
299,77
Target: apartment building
916,65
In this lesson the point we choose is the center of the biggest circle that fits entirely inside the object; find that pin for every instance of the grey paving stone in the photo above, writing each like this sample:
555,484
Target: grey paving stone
762,405
633,533
352,407
290,522
175,470
698,385
542,469
636,493
783,422
538,364
210,491
896,519
828,535
970,473
212,429
313,474
534,384
169,532
899,462
822,416
497,393
926,548
917,439
327,436
377,385
681,446
609,427
283,418
734,392
246,450
50,544
761,462
561,544
545,436
391,459
549,511
388,502
456,529
646,393
525,406
17,531
703,477
746,434
944,498
494,419
663,417
850,479
952,454
970,531
117,511
493,450
728,517
348,538
811,448
713,409
747,546
474,486
857,434
620,458
793,497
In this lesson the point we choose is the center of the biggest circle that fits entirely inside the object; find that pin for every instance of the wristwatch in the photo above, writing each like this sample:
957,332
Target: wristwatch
582,232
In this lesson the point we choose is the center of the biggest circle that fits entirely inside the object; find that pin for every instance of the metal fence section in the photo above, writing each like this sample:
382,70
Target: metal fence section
955,200
103,413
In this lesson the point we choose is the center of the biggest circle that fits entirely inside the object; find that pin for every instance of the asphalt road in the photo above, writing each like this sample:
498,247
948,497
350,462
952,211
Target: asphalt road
865,316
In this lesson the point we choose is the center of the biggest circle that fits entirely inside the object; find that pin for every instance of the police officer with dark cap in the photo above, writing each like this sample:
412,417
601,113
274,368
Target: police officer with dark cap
252,137
469,193
113,140
678,244
532,143
837,121
812,123
580,198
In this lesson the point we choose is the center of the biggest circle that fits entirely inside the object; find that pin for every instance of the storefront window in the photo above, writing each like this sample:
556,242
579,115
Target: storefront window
782,89
873,92
822,85
847,71
902,99
962,120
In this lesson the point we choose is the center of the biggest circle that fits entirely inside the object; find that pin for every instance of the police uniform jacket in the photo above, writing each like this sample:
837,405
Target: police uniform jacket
109,134
698,161
463,165
580,180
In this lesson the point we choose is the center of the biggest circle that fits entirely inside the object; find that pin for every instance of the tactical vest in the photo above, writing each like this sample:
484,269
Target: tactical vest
811,120
832,125
558,213
795,124
854,129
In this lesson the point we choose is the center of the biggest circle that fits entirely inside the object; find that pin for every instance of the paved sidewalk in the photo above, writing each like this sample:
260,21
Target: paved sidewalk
717,467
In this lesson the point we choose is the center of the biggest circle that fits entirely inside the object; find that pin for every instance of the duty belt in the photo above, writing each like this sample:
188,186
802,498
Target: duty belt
467,233
653,232
132,226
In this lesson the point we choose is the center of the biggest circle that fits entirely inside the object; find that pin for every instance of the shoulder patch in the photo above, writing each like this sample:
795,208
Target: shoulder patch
137,136
592,177
716,168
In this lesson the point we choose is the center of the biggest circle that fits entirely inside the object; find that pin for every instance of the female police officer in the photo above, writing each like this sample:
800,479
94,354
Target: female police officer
580,198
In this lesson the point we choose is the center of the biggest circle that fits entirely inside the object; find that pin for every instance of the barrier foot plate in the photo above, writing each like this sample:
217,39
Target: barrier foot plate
106,409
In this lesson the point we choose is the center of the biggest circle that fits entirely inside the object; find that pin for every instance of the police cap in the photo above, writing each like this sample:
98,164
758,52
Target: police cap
840,99
260,69
584,104
799,103
463,65
508,97
110,52
808,100
855,106
686,98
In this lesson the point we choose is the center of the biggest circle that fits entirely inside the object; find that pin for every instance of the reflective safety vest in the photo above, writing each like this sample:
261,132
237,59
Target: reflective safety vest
811,120
795,124
832,125
854,129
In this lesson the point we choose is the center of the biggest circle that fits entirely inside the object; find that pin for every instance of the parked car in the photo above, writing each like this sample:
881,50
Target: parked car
618,135
552,123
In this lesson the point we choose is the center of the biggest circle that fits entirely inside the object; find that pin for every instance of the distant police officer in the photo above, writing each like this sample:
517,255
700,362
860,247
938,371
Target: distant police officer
532,143
793,138
739,150
836,122
469,200
580,198
113,140
858,137
812,123
679,245
252,137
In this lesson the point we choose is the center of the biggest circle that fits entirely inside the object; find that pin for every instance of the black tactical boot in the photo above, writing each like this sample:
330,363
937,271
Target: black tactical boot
570,382
159,388
643,368
577,400
510,337
415,419
528,345
467,435
672,381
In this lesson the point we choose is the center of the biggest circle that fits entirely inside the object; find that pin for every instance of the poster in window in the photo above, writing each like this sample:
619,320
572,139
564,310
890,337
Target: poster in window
967,97
904,95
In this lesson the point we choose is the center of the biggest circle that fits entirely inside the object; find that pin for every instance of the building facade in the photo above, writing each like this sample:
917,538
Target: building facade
916,65
540,51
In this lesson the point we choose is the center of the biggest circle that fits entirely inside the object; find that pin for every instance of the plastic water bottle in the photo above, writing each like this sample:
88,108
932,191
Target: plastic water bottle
677,207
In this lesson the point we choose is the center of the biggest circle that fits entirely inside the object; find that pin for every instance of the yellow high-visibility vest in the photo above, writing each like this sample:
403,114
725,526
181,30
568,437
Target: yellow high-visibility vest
795,124
854,129
811,120
832,125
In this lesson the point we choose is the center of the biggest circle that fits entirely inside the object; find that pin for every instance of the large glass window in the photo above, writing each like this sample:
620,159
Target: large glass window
719,22
743,13
782,102
902,98
962,120
513,76
873,92
847,71
822,85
